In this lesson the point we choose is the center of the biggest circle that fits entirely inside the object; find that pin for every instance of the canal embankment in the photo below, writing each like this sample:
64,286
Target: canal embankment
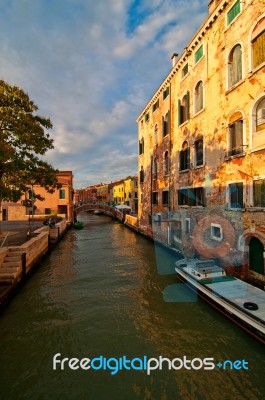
17,262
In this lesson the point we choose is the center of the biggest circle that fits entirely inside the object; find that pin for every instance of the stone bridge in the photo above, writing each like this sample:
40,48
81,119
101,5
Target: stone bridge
107,210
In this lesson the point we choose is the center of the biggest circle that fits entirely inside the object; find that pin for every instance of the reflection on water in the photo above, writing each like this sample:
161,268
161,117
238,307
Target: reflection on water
100,293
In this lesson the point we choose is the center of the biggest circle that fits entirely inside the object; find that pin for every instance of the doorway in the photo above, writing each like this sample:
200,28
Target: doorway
256,260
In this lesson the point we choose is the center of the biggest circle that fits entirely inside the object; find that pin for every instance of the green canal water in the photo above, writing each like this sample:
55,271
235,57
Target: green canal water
105,292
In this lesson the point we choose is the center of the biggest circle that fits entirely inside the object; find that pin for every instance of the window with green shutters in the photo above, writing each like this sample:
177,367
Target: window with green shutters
198,55
259,193
233,12
62,194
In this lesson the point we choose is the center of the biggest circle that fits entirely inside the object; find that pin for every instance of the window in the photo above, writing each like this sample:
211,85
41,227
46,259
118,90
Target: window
165,197
166,163
235,138
198,153
198,54
135,183
141,146
216,232
187,226
235,66
156,134
135,195
198,97
260,116
259,193
155,198
235,193
165,124
184,156
184,108
258,125
47,211
166,93
191,197
146,117
141,175
155,168
62,194
233,12
185,70
258,43
156,105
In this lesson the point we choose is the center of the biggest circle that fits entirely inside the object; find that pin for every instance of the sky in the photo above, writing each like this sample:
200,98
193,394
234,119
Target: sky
91,66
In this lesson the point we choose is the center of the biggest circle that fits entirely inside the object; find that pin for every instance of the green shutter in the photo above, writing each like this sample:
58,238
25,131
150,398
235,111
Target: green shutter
198,54
233,12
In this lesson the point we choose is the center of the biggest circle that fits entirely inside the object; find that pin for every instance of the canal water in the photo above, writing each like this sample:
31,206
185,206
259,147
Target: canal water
106,293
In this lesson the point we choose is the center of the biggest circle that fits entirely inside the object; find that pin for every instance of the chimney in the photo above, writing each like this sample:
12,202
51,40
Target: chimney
212,5
174,59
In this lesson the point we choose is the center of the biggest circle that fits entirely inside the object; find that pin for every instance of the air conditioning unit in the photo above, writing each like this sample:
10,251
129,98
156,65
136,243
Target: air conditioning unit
261,116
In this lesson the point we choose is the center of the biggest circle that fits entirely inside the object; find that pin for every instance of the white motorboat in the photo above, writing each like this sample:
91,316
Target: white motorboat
239,301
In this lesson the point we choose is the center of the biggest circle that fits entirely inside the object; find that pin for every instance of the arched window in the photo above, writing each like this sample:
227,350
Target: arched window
258,124
235,65
166,163
165,124
184,108
184,161
141,146
258,43
198,97
260,115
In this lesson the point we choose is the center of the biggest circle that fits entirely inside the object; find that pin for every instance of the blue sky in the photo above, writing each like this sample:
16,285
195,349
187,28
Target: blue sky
91,66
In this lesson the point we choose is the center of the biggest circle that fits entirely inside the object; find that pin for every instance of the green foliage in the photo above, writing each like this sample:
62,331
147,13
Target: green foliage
23,138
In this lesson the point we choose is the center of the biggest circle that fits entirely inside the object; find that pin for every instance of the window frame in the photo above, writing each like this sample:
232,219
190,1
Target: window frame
237,185
196,151
155,197
234,66
233,10
197,52
184,157
165,197
261,195
62,194
258,34
198,97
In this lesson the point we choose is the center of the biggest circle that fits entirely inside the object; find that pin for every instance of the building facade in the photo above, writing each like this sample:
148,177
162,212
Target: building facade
60,202
131,193
202,143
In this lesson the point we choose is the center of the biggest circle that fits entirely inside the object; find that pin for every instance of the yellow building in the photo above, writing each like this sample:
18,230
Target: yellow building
131,193
202,140
119,192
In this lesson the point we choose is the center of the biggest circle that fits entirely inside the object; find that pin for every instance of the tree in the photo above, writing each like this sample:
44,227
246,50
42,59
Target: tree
23,138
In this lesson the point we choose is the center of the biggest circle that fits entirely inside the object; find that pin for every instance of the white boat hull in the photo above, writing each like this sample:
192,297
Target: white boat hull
252,323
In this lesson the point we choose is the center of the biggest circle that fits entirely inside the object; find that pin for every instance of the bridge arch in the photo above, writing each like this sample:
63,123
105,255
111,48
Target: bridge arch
107,210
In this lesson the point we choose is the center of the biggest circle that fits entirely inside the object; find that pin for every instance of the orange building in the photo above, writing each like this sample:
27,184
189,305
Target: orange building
60,202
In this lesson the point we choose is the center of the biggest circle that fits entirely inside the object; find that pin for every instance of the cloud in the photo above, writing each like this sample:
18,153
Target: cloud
91,66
